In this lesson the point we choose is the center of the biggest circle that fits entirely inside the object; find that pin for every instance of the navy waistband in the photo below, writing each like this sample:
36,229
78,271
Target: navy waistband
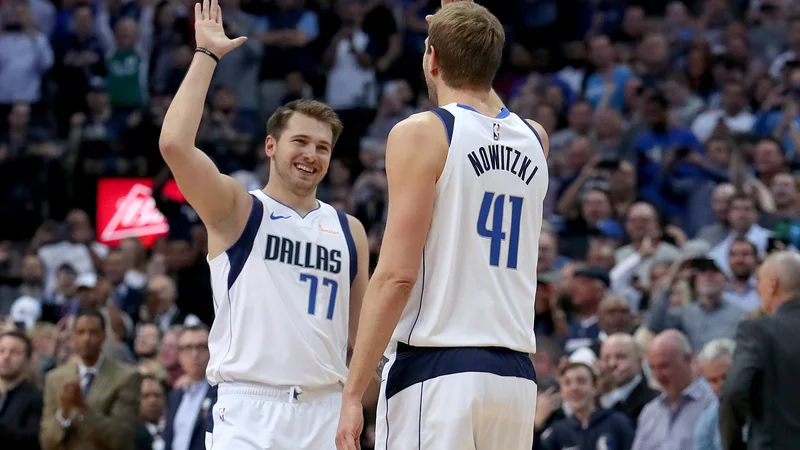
414,365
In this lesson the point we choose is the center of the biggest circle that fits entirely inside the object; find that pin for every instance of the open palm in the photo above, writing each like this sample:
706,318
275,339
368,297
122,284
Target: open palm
208,30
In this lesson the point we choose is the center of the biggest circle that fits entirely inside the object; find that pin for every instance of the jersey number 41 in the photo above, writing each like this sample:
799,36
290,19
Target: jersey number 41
492,205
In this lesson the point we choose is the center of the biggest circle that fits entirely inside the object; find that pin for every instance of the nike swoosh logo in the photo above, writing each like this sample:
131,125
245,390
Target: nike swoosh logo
274,217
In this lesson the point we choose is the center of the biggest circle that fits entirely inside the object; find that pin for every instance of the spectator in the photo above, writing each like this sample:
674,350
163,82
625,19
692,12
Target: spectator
732,117
588,426
147,342
714,361
149,435
668,421
741,289
710,316
98,409
641,223
759,388
188,413
620,369
22,43
743,221
587,290
20,401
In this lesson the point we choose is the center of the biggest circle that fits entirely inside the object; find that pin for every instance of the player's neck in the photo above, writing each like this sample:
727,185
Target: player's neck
480,100
302,204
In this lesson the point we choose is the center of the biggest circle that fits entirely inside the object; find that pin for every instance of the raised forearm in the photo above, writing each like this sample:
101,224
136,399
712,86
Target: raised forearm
184,114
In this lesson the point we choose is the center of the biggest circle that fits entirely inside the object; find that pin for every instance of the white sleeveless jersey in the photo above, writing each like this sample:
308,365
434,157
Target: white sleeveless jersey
477,282
282,298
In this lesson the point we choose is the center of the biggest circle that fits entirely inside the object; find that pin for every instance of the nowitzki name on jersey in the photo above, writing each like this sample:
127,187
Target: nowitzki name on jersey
303,254
500,157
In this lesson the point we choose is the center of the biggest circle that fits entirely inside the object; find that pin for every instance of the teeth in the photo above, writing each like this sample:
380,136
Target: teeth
304,168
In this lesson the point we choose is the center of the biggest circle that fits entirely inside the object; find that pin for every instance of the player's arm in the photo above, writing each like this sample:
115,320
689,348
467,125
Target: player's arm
222,204
359,286
415,155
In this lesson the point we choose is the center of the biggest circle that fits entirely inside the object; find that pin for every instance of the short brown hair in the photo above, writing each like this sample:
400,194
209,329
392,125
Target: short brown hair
21,337
575,364
469,44
307,107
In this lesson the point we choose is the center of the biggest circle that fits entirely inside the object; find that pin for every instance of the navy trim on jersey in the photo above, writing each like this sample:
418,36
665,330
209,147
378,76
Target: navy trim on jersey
240,250
351,244
319,205
421,296
535,133
414,365
501,115
449,121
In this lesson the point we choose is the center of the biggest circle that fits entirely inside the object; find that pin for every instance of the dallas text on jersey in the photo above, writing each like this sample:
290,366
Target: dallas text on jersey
303,254
499,157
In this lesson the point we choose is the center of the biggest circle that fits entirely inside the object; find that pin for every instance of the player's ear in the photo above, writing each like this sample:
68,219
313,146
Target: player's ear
270,145
433,57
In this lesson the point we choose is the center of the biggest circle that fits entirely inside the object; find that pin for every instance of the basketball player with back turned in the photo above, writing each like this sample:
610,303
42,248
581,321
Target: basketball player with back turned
453,292
287,271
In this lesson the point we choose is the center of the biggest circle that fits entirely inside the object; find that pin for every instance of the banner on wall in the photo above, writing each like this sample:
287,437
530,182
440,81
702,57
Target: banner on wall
126,208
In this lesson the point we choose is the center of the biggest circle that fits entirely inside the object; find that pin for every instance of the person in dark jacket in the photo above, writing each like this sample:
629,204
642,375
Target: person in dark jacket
20,401
621,364
589,427
761,387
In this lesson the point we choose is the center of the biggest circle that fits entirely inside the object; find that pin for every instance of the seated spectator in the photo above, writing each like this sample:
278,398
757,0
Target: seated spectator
620,367
20,401
708,317
589,426
188,413
672,416
714,361
587,290
149,434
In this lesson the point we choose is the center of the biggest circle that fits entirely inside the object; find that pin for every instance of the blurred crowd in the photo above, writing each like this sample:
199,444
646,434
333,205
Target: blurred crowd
674,148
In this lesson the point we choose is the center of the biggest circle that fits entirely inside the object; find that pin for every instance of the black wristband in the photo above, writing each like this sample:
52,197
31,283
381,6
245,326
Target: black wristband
207,52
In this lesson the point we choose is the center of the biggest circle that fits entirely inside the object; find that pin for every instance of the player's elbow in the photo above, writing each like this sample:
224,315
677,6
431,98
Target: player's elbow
400,281
168,143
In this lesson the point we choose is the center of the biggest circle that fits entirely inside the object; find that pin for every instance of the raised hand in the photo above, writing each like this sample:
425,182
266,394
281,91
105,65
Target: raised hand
208,30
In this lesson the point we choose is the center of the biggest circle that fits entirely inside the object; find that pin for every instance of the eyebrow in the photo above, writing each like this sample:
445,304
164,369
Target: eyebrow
321,141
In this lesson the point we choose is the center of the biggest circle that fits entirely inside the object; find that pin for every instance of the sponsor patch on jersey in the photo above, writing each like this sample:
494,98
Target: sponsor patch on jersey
496,131
328,230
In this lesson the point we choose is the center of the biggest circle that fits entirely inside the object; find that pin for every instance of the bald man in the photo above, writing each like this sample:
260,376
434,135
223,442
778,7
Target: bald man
621,360
761,385
668,421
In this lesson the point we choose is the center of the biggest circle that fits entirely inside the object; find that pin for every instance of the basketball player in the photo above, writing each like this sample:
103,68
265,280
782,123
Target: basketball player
453,293
287,271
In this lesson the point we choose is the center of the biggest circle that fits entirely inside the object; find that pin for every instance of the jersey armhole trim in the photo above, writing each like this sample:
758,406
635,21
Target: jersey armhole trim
448,120
535,133
240,250
351,244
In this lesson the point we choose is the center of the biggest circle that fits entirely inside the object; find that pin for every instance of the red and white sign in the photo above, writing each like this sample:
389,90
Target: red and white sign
126,208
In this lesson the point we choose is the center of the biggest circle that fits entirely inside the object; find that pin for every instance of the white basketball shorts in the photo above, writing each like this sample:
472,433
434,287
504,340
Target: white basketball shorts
250,417
456,399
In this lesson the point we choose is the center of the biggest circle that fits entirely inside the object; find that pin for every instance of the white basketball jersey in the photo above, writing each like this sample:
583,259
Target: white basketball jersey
477,282
282,298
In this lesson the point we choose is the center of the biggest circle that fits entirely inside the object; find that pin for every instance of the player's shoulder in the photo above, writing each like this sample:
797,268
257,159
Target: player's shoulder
541,133
423,129
421,123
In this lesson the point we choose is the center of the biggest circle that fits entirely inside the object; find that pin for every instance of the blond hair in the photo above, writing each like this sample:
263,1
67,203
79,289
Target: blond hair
314,109
469,44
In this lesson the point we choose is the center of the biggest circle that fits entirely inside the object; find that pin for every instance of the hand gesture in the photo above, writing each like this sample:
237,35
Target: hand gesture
70,397
351,422
208,31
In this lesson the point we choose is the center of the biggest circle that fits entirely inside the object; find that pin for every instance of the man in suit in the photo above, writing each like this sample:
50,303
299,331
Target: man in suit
761,387
151,411
94,403
189,406
20,401
621,364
